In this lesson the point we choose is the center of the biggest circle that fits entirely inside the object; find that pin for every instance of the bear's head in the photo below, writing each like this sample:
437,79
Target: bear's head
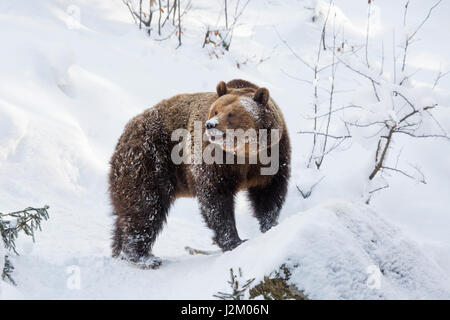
241,112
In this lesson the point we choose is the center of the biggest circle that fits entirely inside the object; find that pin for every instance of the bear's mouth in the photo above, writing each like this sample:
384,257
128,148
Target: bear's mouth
218,137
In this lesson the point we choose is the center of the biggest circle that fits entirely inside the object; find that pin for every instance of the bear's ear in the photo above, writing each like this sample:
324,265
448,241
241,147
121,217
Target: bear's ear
221,88
261,96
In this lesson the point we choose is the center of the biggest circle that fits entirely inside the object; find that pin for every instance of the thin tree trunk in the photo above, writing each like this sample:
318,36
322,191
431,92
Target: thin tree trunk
150,17
140,14
226,14
174,11
159,19
179,23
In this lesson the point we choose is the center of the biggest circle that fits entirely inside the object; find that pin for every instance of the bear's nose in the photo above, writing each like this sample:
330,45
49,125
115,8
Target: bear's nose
210,124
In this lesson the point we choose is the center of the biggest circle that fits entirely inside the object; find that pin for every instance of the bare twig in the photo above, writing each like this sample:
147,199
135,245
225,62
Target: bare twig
378,189
424,20
308,193
422,180
366,49
133,15
330,109
383,154
335,110
394,56
358,71
439,77
324,134
292,50
412,35
316,81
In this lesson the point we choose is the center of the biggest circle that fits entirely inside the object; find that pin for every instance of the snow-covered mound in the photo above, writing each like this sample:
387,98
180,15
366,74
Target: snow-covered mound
345,251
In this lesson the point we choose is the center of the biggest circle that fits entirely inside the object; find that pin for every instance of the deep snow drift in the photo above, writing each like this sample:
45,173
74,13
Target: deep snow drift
66,94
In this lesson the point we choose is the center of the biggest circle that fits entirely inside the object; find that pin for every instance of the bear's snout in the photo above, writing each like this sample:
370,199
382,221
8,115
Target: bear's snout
211,123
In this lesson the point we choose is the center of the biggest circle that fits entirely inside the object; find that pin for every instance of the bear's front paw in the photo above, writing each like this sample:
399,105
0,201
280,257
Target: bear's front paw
145,262
266,226
230,245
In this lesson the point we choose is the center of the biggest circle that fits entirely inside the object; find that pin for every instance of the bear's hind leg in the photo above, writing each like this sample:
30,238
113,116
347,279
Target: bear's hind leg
117,238
142,187
136,232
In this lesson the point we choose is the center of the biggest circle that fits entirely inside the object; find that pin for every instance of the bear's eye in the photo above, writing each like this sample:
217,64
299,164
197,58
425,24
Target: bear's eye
230,115
215,113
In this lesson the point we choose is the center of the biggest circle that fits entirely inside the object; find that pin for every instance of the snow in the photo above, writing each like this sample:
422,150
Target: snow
67,92
335,245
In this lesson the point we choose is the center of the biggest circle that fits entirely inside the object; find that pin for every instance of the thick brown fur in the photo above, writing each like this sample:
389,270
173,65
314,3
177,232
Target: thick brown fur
144,181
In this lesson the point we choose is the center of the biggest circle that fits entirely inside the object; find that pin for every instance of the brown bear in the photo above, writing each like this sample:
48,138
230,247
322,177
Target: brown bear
145,180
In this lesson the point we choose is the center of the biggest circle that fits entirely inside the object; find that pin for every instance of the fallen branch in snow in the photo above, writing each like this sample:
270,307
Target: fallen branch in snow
193,251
